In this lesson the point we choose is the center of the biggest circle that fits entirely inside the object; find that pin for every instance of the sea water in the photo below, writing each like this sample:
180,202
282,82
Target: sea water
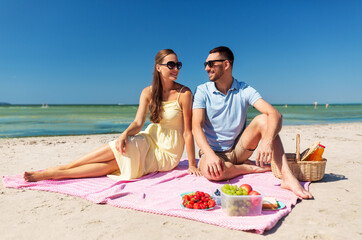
55,120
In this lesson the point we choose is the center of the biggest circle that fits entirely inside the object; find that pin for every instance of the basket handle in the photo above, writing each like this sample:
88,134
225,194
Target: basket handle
297,153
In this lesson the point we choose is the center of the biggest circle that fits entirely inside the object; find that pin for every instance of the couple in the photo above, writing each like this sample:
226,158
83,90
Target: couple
216,117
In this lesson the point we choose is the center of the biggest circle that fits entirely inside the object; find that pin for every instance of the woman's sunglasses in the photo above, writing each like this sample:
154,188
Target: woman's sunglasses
211,62
172,65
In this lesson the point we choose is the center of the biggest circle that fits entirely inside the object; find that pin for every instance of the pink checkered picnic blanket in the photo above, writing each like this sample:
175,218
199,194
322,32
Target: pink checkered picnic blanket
160,193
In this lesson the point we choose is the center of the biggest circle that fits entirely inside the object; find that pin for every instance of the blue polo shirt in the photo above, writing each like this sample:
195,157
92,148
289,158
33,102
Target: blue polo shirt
225,114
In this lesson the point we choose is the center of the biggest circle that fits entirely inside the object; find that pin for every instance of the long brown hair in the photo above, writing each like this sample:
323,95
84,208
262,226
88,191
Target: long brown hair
155,107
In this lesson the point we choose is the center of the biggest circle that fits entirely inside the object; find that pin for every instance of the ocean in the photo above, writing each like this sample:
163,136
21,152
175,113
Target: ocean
57,120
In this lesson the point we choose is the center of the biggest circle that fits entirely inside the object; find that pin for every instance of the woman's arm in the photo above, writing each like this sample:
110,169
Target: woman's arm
137,124
186,105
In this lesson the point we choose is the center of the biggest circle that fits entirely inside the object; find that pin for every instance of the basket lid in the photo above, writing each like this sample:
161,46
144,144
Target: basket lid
306,154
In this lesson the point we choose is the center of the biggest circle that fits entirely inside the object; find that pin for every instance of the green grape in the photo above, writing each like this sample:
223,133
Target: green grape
243,211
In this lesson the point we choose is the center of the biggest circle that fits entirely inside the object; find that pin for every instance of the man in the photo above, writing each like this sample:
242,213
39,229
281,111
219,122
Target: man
219,127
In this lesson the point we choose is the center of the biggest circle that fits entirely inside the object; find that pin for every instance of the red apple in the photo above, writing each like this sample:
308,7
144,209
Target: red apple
254,193
254,199
247,188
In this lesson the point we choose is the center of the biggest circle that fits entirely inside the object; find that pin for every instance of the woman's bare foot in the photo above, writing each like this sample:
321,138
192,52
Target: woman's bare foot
292,184
35,176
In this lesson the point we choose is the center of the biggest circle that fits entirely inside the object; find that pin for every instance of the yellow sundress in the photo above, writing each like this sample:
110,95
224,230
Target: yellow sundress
158,148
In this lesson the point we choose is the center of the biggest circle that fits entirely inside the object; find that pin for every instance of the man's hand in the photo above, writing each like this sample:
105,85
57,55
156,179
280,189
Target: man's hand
121,143
264,153
215,165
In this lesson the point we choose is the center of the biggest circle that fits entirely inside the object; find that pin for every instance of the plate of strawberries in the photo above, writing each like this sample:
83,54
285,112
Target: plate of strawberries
197,200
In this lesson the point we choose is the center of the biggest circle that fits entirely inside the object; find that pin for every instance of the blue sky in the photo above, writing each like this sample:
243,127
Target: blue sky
102,52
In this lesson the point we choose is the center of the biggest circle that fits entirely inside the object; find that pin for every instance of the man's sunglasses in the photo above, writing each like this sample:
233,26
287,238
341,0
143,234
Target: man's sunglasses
172,65
211,62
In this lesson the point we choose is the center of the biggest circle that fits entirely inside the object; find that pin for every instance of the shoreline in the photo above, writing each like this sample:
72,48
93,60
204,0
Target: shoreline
117,133
334,213
136,104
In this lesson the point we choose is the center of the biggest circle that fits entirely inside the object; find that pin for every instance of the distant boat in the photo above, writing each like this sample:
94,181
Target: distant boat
44,105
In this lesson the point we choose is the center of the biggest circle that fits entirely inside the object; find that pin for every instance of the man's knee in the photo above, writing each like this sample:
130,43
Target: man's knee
261,120
220,177
204,171
259,124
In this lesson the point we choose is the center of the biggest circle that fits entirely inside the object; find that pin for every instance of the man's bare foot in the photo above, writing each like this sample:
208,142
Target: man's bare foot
292,184
258,169
249,162
265,168
35,176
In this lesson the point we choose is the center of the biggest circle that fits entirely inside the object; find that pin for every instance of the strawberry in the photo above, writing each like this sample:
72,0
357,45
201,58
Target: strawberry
202,206
211,203
196,206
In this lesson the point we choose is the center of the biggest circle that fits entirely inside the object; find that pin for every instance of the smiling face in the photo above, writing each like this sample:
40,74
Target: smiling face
217,70
167,74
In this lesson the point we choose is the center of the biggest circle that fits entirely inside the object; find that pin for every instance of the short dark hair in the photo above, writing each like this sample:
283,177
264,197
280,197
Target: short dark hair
225,52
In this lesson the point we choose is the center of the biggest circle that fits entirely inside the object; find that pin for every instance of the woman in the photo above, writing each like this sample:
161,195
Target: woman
135,153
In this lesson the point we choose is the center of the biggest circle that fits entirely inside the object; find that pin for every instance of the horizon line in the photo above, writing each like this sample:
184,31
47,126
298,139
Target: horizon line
129,104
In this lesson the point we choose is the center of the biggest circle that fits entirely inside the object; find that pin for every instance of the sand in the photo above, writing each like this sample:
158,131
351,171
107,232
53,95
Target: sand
334,213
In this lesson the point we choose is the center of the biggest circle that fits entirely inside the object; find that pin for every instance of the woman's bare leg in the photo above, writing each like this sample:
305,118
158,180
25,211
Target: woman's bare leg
100,155
86,170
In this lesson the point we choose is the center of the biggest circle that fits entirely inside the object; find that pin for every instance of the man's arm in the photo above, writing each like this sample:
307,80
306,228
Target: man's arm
186,105
214,165
274,125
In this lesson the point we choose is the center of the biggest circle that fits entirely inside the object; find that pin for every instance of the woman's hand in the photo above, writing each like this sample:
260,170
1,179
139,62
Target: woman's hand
194,171
121,143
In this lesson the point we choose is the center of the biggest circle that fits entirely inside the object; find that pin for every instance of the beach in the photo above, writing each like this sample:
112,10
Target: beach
334,213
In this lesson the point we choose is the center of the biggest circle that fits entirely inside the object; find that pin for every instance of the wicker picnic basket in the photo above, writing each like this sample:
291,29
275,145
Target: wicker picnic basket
310,171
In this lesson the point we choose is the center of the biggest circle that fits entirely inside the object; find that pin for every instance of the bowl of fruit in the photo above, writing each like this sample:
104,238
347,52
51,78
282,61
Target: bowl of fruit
241,201
197,200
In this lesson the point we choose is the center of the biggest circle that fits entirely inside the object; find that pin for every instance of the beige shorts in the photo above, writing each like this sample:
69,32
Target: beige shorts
237,154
